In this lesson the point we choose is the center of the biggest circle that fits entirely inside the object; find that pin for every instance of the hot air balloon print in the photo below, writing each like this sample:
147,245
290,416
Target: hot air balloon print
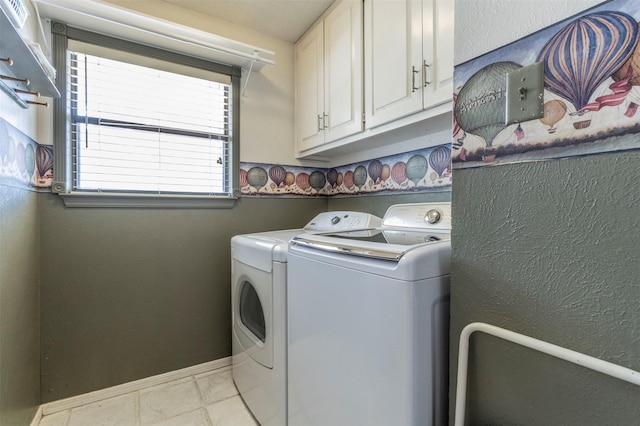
317,180
554,111
302,180
583,54
399,172
385,172
277,175
480,104
348,179
289,179
243,178
339,179
416,168
257,177
631,70
20,158
375,170
360,176
12,150
332,177
440,160
44,161
30,160
4,142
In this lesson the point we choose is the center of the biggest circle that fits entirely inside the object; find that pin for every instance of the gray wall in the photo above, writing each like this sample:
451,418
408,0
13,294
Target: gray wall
130,293
550,250
19,306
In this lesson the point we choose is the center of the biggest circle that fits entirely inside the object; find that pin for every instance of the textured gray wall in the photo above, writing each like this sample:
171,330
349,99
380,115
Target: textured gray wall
130,293
19,306
550,250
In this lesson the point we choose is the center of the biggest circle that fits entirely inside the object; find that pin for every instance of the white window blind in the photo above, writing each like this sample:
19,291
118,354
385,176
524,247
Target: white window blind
142,129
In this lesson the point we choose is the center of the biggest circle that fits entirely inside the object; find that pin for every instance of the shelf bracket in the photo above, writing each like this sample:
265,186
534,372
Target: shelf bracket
246,81
13,95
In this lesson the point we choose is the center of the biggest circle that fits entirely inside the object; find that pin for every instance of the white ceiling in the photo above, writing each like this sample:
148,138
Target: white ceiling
283,19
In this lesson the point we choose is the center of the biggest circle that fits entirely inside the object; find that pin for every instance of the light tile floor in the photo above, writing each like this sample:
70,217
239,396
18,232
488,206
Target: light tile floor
208,399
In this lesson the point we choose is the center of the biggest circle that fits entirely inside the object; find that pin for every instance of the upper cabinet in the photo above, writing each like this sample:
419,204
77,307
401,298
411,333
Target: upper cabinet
408,57
407,74
329,73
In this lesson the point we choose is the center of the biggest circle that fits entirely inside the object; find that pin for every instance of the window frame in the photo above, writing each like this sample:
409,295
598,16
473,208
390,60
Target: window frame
63,164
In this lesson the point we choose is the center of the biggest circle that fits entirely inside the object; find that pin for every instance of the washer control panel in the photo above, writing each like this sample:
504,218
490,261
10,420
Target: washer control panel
432,216
342,221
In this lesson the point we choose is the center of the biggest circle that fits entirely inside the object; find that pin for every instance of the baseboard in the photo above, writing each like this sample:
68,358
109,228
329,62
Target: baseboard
87,398
37,417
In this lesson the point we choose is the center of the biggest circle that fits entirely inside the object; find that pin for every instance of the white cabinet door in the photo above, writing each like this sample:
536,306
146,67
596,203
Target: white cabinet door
393,58
329,73
310,89
343,72
437,70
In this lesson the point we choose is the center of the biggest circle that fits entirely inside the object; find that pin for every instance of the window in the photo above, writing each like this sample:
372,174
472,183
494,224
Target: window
142,122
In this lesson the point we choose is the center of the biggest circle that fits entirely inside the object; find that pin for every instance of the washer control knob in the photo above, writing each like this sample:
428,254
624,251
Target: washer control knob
433,216
335,219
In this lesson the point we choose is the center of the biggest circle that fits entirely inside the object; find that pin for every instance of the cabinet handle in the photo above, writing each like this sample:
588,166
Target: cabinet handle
7,60
319,123
325,121
425,67
414,71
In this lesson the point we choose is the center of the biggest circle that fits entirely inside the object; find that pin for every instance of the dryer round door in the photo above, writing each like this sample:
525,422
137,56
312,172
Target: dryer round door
252,312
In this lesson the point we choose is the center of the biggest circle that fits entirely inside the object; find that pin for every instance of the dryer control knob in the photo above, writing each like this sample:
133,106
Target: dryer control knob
433,216
335,219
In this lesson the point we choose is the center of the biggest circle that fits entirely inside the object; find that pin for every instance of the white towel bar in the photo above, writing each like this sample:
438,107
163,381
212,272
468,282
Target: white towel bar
587,361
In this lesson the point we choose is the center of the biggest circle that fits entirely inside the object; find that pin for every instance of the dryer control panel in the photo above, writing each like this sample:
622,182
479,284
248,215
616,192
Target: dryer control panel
342,221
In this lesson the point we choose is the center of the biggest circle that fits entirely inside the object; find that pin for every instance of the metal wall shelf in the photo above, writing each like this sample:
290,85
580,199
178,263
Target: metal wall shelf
25,66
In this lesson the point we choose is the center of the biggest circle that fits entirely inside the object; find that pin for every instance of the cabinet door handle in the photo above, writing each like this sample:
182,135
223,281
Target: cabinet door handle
425,67
319,123
325,121
414,71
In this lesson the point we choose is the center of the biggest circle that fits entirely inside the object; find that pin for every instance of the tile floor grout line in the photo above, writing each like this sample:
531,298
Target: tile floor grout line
199,402
137,402
203,403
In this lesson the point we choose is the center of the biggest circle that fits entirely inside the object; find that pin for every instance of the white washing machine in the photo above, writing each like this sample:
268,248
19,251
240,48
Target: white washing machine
368,322
258,305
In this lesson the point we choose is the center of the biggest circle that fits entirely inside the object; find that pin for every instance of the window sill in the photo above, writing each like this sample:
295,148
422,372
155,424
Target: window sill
152,201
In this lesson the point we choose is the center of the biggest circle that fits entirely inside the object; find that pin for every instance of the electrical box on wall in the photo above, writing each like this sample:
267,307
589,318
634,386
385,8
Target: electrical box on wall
525,94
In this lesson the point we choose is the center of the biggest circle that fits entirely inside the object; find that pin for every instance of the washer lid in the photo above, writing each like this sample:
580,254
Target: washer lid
260,250
404,227
385,245
407,263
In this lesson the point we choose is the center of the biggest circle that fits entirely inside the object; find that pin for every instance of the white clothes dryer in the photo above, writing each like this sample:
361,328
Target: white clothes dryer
258,305
368,322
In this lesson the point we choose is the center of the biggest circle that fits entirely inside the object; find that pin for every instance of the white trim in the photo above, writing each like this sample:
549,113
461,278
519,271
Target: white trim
132,200
586,361
123,23
87,398
37,417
